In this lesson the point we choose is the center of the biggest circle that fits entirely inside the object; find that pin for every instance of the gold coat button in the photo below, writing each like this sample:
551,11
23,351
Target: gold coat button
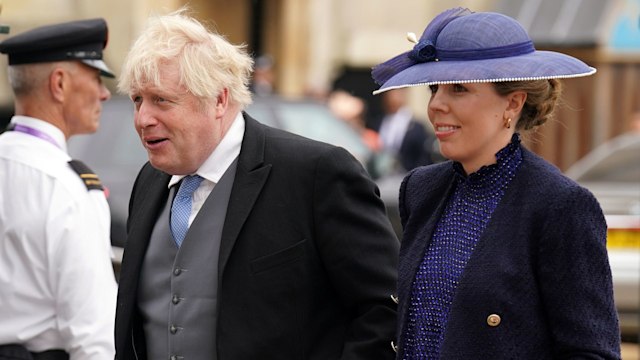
493,320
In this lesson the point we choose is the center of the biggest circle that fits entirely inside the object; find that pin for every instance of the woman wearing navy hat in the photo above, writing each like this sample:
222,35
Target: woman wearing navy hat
502,256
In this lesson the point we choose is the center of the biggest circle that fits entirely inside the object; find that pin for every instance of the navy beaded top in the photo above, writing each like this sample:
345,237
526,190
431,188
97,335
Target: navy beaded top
463,221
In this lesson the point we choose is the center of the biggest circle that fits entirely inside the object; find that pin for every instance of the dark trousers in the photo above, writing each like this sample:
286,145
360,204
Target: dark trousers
19,352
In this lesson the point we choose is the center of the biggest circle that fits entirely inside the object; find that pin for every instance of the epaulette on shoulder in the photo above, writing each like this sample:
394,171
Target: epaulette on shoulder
90,179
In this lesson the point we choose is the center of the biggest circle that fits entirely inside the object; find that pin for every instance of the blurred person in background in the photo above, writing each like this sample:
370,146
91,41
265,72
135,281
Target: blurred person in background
634,125
351,109
244,241
503,257
263,77
404,135
57,285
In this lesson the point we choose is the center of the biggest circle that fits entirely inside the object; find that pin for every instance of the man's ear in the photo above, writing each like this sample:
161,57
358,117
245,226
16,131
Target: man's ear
515,102
222,102
58,79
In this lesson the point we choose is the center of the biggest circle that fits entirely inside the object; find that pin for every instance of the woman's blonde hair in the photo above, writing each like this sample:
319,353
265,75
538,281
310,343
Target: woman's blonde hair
207,62
542,98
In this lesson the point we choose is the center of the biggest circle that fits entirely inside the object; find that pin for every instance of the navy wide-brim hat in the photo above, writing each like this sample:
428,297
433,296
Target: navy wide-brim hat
81,40
460,46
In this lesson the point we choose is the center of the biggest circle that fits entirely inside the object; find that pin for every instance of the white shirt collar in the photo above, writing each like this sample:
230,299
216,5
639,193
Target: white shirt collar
54,132
222,156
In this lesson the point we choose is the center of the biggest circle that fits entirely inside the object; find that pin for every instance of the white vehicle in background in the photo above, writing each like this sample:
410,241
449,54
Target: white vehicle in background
612,173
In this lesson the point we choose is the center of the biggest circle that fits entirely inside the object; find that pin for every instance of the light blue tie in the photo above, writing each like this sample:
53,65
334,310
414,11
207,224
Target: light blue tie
181,208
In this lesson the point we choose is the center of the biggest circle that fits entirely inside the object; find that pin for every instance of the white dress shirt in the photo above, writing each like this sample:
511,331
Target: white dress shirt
215,166
57,286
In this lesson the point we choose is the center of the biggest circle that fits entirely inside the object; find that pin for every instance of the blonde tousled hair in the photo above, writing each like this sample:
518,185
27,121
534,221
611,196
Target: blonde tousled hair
207,62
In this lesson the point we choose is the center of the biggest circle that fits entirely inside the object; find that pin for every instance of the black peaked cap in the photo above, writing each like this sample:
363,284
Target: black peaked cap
81,40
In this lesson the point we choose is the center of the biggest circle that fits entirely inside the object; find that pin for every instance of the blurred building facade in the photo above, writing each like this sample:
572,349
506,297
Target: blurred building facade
315,43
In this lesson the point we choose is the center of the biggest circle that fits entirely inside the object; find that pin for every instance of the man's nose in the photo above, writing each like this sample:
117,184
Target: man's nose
143,115
105,94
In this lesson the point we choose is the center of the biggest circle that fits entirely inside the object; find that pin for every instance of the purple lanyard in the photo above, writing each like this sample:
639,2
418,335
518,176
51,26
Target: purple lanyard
35,132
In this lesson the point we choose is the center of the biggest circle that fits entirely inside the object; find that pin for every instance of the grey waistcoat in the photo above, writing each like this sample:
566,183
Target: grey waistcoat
178,287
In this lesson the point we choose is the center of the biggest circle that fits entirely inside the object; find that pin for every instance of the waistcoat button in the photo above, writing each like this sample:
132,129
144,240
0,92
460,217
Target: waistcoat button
175,299
173,329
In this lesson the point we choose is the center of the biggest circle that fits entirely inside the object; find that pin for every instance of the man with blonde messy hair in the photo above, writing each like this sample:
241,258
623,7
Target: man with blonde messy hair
244,241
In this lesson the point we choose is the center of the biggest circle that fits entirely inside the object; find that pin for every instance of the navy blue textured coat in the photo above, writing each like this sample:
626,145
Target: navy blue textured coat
541,265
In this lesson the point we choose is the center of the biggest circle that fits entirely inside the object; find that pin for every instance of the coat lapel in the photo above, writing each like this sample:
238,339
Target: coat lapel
251,176
426,214
151,192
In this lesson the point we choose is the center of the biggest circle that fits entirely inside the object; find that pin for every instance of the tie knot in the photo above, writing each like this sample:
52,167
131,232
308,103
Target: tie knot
189,184
181,207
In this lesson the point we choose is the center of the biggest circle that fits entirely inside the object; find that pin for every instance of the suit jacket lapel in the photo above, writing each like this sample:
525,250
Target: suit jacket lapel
251,176
151,193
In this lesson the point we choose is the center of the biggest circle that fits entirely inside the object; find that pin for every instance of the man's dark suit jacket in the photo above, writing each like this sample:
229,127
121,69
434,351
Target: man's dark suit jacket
307,258
541,265
417,148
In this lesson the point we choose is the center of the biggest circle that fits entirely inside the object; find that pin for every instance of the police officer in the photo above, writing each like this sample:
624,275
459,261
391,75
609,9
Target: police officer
57,286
